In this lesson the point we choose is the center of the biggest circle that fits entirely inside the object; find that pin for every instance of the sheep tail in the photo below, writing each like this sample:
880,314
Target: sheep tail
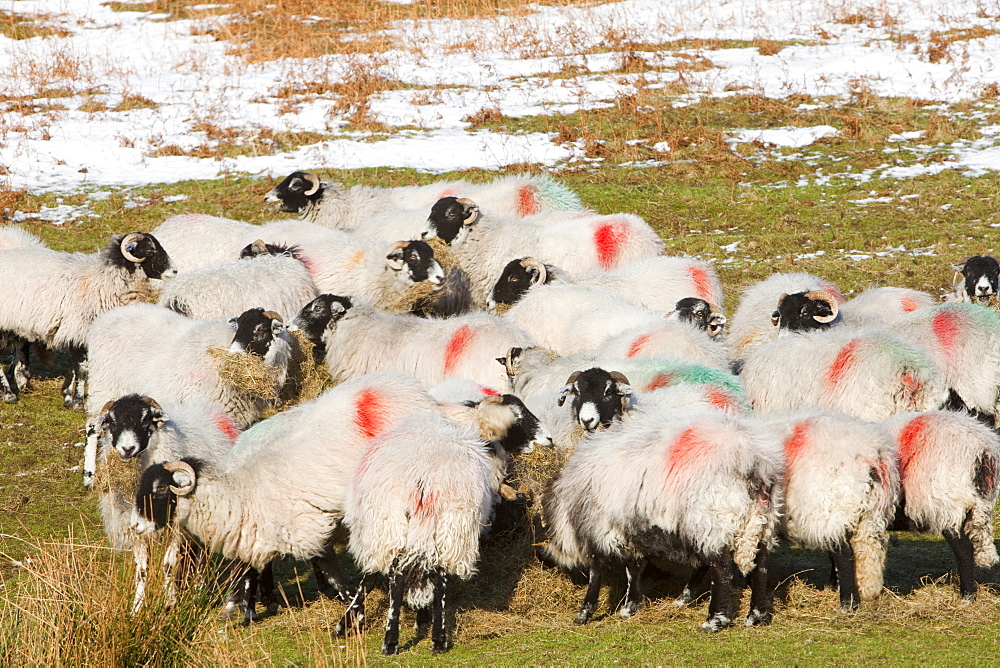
871,537
979,523
555,195
758,529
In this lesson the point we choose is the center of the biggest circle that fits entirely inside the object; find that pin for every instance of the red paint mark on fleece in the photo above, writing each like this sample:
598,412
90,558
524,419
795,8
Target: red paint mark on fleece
911,441
421,504
796,442
608,240
659,381
845,359
526,202
447,192
307,263
908,304
227,426
489,391
946,326
456,347
685,452
369,413
701,282
638,345
719,398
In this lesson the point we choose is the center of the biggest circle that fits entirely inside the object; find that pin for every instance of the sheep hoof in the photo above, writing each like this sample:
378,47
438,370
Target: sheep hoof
582,617
390,650
716,623
9,398
758,618
440,648
230,612
629,609
682,600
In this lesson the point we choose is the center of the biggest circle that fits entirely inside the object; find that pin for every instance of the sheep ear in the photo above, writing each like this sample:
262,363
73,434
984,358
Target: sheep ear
183,476
277,322
775,317
569,388
395,256
501,360
106,407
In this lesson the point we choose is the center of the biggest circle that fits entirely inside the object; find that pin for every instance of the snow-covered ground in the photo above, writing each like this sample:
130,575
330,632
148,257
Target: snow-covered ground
50,143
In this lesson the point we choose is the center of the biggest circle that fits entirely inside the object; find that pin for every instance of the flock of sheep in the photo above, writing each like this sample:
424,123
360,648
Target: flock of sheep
465,324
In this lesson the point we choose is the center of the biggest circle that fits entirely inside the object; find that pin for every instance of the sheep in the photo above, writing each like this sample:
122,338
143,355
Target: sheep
282,489
13,237
697,486
841,487
574,318
151,350
878,306
950,465
419,499
137,428
483,246
52,298
750,326
961,339
197,240
358,339
277,282
670,339
331,205
657,283
980,275
868,374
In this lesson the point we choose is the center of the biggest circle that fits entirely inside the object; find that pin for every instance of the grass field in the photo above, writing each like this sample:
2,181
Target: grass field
885,200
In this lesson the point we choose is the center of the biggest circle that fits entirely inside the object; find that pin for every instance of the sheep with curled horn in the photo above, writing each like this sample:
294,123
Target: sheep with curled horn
52,298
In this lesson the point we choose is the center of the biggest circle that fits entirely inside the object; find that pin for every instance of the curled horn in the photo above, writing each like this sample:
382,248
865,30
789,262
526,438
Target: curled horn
619,378
313,182
128,240
827,297
259,247
399,245
107,406
152,403
492,399
624,388
471,208
532,262
568,387
180,466
273,316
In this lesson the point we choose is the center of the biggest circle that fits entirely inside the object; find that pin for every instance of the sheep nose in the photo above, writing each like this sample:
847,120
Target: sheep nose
589,423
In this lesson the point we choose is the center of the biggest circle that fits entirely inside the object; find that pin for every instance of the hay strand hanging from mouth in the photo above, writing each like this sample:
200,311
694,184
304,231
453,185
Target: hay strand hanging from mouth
247,372
307,376
115,475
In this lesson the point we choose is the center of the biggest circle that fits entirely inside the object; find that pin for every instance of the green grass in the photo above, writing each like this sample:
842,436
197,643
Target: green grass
703,198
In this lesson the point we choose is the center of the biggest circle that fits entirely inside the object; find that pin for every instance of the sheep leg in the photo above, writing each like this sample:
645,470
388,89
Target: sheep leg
843,560
266,586
354,616
760,593
74,387
390,645
593,591
687,594
633,593
329,577
961,545
439,635
833,584
140,555
721,568
9,391
90,453
250,585
423,618
21,367
171,557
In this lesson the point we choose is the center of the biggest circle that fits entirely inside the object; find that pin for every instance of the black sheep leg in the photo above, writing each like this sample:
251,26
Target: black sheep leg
593,591
266,586
354,616
633,594
721,568
961,545
390,645
697,575
74,387
843,561
250,584
760,592
832,584
439,634
329,577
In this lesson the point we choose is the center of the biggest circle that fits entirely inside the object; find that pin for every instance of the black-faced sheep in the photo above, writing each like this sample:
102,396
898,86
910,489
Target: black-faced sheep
50,297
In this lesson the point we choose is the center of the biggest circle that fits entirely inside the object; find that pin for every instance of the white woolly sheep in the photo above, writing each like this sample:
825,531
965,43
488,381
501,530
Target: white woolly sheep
331,205
151,350
421,495
138,428
483,246
52,298
676,339
868,374
950,468
358,339
197,240
878,306
276,282
657,283
13,238
750,326
841,486
695,486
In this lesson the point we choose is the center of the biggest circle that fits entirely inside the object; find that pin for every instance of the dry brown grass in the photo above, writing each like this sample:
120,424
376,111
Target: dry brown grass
16,26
